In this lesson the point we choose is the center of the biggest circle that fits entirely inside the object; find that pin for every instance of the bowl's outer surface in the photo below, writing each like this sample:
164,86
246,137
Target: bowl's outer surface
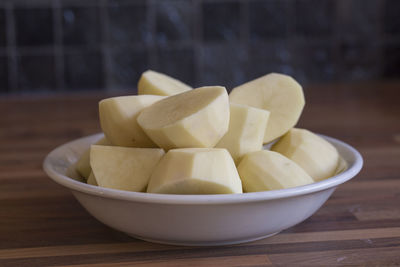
196,220
203,224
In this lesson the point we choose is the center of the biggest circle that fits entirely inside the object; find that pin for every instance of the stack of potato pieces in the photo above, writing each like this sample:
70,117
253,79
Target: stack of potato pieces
174,139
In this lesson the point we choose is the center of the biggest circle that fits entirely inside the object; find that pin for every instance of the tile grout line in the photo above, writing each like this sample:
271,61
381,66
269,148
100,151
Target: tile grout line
245,33
11,48
382,39
244,22
197,40
291,33
105,48
58,48
152,47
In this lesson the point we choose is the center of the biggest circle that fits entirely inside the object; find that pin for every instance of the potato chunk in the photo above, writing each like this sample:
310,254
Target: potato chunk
124,168
92,180
314,154
83,164
279,94
342,166
154,83
195,171
246,130
267,170
196,118
118,119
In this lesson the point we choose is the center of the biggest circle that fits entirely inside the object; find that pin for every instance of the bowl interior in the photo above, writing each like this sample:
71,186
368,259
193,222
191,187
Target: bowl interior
59,165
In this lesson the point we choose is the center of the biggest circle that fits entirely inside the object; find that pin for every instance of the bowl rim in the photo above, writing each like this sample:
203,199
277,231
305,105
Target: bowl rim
142,197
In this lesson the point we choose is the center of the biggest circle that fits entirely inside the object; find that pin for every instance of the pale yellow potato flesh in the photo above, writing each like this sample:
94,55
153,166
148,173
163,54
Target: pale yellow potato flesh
196,171
91,179
196,118
279,94
342,166
246,130
315,155
155,83
83,164
267,170
124,168
118,119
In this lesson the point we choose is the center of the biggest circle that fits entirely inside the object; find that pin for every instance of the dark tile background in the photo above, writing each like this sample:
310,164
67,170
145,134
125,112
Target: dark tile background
221,21
3,74
71,45
33,26
268,19
36,72
80,26
128,24
83,69
174,21
2,27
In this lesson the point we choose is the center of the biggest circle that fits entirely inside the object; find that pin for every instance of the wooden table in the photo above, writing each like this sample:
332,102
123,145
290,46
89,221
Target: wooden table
42,224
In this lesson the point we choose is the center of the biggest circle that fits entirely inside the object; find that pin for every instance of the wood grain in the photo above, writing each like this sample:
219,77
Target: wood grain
246,260
41,224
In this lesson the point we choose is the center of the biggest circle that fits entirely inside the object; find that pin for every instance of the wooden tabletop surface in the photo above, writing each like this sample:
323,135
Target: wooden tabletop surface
42,224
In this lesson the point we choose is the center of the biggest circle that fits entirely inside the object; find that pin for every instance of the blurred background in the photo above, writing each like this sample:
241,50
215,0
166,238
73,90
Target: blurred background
71,45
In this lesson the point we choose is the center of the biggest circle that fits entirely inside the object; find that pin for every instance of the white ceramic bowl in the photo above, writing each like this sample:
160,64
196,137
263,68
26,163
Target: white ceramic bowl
196,219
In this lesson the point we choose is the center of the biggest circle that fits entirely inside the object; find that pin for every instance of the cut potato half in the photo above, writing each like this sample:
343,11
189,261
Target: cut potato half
267,170
279,94
155,83
195,171
124,168
83,164
314,154
197,118
118,119
246,130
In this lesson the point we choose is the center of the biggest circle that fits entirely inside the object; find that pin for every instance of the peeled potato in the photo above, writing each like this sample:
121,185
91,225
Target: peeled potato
342,166
118,119
83,164
267,170
246,130
279,94
124,168
91,179
195,171
196,118
314,154
154,83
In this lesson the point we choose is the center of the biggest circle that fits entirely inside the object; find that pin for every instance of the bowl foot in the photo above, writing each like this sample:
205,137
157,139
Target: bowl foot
201,243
